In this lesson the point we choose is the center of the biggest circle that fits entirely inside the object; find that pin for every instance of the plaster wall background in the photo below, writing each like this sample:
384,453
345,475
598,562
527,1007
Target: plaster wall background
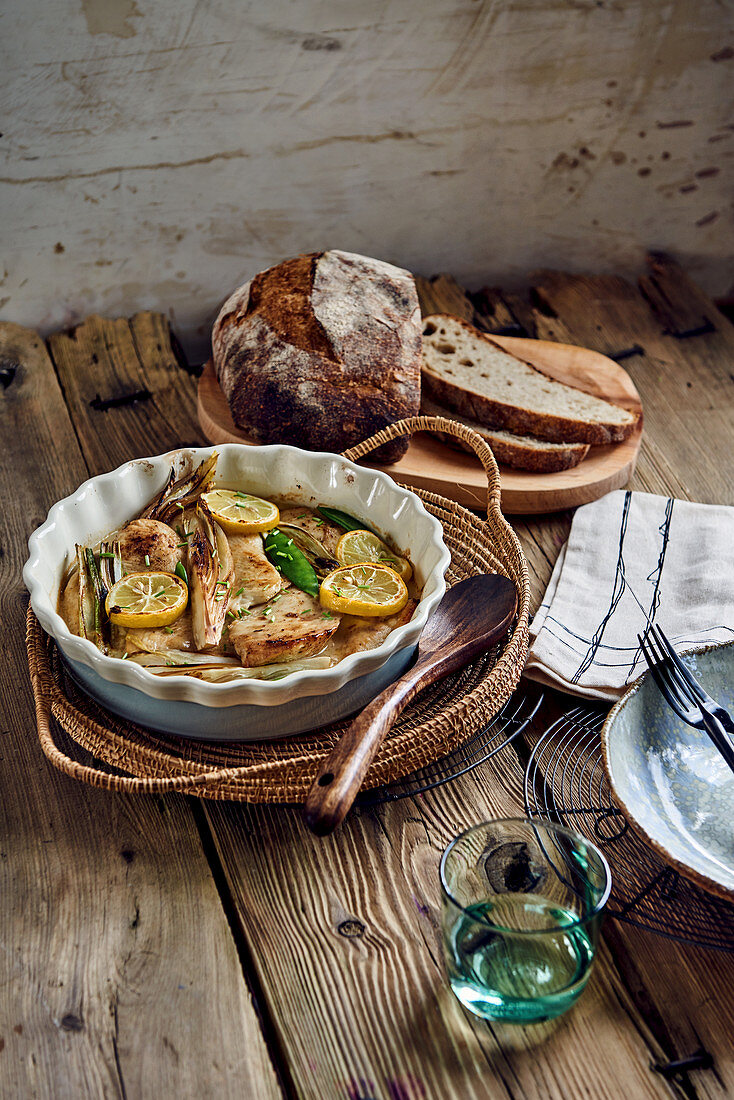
155,154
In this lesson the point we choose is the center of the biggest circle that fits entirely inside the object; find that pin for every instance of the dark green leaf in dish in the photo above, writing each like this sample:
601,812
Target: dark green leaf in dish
291,562
313,550
343,519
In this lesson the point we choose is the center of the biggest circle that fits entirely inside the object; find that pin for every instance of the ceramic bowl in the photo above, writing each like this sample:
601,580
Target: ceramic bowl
246,710
672,783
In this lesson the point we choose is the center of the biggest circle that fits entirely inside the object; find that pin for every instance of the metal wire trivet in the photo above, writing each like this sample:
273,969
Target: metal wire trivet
565,781
514,717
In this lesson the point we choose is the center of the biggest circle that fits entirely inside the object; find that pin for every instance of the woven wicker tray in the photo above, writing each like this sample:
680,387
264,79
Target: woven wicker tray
130,758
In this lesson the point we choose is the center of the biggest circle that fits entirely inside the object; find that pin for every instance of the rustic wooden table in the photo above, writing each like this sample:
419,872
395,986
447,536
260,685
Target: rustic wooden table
173,947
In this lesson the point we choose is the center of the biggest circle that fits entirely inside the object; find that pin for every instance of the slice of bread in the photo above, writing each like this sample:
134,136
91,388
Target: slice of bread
468,372
522,452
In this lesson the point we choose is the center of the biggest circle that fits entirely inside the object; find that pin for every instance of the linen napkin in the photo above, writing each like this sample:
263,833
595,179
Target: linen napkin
630,559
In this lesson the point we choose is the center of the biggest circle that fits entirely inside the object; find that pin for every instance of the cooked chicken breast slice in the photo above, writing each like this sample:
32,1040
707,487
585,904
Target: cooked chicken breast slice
356,634
151,538
326,532
255,578
290,626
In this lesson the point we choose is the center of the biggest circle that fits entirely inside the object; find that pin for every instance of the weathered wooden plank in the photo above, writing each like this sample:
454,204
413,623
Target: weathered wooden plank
493,313
442,294
522,310
683,994
679,991
333,884
609,315
118,971
684,384
490,309
681,307
124,384
355,979
367,1013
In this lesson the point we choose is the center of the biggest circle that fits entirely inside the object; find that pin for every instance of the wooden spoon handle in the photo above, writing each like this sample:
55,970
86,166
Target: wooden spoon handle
341,775
453,637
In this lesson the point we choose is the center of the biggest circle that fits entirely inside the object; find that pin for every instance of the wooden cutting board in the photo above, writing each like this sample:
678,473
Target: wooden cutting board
438,468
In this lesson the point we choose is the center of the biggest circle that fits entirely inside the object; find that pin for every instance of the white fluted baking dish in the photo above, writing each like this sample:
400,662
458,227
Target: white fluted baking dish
250,709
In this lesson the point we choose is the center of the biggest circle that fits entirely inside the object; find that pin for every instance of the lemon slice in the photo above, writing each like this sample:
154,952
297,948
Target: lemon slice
360,546
147,600
369,589
241,513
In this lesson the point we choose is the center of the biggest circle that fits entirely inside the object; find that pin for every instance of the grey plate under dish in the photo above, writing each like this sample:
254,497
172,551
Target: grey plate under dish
672,783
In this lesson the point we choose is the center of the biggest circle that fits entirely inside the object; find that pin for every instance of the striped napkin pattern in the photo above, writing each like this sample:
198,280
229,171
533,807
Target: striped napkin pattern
631,559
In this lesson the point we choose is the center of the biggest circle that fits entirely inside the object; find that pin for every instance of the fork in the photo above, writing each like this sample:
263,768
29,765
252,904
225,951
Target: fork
684,693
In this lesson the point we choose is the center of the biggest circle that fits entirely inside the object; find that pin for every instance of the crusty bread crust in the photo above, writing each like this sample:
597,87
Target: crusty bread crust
321,351
498,414
517,453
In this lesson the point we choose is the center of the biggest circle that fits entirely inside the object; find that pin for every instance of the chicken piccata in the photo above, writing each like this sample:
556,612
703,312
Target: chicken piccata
213,582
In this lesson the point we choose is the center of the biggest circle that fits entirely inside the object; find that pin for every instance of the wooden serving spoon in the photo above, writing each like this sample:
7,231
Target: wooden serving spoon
471,617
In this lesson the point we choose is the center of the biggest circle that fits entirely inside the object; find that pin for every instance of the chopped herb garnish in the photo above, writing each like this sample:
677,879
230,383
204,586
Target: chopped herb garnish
239,592
180,544
320,522
168,629
231,614
147,559
326,615
180,505
243,611
245,496
105,554
157,595
282,554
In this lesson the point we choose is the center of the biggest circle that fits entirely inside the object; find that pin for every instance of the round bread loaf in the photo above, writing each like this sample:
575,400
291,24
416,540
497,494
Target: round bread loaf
321,351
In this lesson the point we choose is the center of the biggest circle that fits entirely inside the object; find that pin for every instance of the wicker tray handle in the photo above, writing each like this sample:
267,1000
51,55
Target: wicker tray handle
413,424
196,778
44,691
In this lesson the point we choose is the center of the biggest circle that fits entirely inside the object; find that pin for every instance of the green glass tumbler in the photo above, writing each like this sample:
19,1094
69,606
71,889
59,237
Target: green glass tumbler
522,906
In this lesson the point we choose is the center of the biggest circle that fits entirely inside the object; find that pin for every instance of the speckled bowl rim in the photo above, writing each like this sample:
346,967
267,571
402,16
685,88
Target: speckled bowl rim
697,877
306,683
